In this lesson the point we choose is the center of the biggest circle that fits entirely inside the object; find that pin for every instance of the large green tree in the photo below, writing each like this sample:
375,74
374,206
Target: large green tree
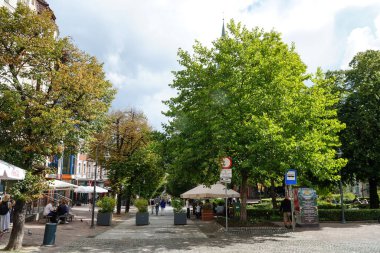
50,91
246,98
360,110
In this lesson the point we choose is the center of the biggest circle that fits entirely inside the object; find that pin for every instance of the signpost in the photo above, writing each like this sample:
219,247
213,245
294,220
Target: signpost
291,179
225,176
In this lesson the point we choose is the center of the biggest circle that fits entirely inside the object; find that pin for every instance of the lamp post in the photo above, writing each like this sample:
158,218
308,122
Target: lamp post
94,194
343,221
107,156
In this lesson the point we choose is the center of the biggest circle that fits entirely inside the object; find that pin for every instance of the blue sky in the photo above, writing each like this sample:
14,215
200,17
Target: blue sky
138,40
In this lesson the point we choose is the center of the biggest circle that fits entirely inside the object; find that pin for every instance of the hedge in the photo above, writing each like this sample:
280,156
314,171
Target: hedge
324,214
349,214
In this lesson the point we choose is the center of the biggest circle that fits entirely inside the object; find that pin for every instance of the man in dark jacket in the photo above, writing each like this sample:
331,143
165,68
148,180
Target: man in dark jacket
286,209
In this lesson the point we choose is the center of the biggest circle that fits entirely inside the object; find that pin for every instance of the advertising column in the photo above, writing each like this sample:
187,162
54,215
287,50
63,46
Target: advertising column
305,206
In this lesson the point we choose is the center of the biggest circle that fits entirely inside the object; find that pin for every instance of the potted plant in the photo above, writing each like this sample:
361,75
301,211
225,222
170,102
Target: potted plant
106,206
179,213
142,215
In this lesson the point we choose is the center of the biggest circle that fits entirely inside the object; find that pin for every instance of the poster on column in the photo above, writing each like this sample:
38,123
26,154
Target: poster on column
305,207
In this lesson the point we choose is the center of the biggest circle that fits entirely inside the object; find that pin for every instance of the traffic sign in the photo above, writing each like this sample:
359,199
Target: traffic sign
226,162
291,177
226,173
225,180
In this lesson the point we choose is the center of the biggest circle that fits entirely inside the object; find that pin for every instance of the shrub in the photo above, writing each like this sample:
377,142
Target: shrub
142,205
264,213
106,204
177,205
350,214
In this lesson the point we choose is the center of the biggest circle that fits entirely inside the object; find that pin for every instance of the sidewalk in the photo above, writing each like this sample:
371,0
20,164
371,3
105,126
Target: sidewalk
161,235
65,234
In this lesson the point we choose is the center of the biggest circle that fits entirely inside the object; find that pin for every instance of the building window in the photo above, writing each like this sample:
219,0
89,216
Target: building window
79,168
84,169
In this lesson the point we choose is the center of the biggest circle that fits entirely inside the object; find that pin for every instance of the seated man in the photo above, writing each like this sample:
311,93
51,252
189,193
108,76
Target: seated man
50,211
62,210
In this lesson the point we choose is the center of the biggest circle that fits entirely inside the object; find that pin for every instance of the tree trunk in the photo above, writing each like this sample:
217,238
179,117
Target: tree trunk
243,196
273,193
118,204
128,199
17,234
373,196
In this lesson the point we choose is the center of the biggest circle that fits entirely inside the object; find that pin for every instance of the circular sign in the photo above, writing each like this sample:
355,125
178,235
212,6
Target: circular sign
226,162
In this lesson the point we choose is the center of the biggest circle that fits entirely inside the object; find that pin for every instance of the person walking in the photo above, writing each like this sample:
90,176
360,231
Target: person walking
286,209
5,207
162,205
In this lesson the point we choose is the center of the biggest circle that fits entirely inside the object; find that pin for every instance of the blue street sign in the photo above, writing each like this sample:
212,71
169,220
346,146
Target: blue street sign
291,177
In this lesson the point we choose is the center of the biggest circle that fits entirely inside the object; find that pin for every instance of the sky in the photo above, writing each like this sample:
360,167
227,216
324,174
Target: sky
138,41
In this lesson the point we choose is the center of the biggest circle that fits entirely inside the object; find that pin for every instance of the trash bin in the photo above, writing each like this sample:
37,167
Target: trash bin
49,235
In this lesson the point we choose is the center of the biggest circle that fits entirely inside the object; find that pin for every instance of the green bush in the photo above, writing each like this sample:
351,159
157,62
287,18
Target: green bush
106,204
350,214
262,206
332,206
177,205
142,205
219,202
263,214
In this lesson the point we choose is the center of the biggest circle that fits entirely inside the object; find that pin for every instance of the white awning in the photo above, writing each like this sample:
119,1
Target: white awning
61,185
214,191
11,172
90,189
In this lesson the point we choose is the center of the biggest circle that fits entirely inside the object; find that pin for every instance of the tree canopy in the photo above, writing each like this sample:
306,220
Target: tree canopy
360,110
49,91
246,97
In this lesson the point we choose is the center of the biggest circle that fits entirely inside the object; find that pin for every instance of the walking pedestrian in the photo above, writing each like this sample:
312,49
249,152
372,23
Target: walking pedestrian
151,203
163,205
286,209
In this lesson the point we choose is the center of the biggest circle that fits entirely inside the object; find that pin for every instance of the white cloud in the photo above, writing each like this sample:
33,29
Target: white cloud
138,40
361,39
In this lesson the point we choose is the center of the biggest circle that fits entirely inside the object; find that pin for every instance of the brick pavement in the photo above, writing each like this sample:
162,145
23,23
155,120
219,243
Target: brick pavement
162,236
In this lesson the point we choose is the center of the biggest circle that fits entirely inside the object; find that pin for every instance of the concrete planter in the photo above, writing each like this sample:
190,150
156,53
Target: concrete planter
104,219
142,219
180,219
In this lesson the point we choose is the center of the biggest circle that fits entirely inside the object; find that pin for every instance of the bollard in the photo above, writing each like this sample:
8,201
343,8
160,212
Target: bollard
49,235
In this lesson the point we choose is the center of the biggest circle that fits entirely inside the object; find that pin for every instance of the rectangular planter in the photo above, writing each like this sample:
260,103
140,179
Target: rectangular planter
207,215
142,219
180,219
104,219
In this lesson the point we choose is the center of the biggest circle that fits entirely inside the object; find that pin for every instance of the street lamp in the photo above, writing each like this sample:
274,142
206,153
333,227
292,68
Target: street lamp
94,194
107,156
343,221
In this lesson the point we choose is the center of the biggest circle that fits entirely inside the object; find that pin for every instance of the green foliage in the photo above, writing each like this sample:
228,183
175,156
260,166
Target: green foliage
62,94
245,97
142,205
106,204
359,110
266,214
177,205
29,189
326,205
350,215
219,202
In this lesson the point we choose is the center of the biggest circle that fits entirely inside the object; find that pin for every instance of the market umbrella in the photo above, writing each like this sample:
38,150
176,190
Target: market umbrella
214,191
10,172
